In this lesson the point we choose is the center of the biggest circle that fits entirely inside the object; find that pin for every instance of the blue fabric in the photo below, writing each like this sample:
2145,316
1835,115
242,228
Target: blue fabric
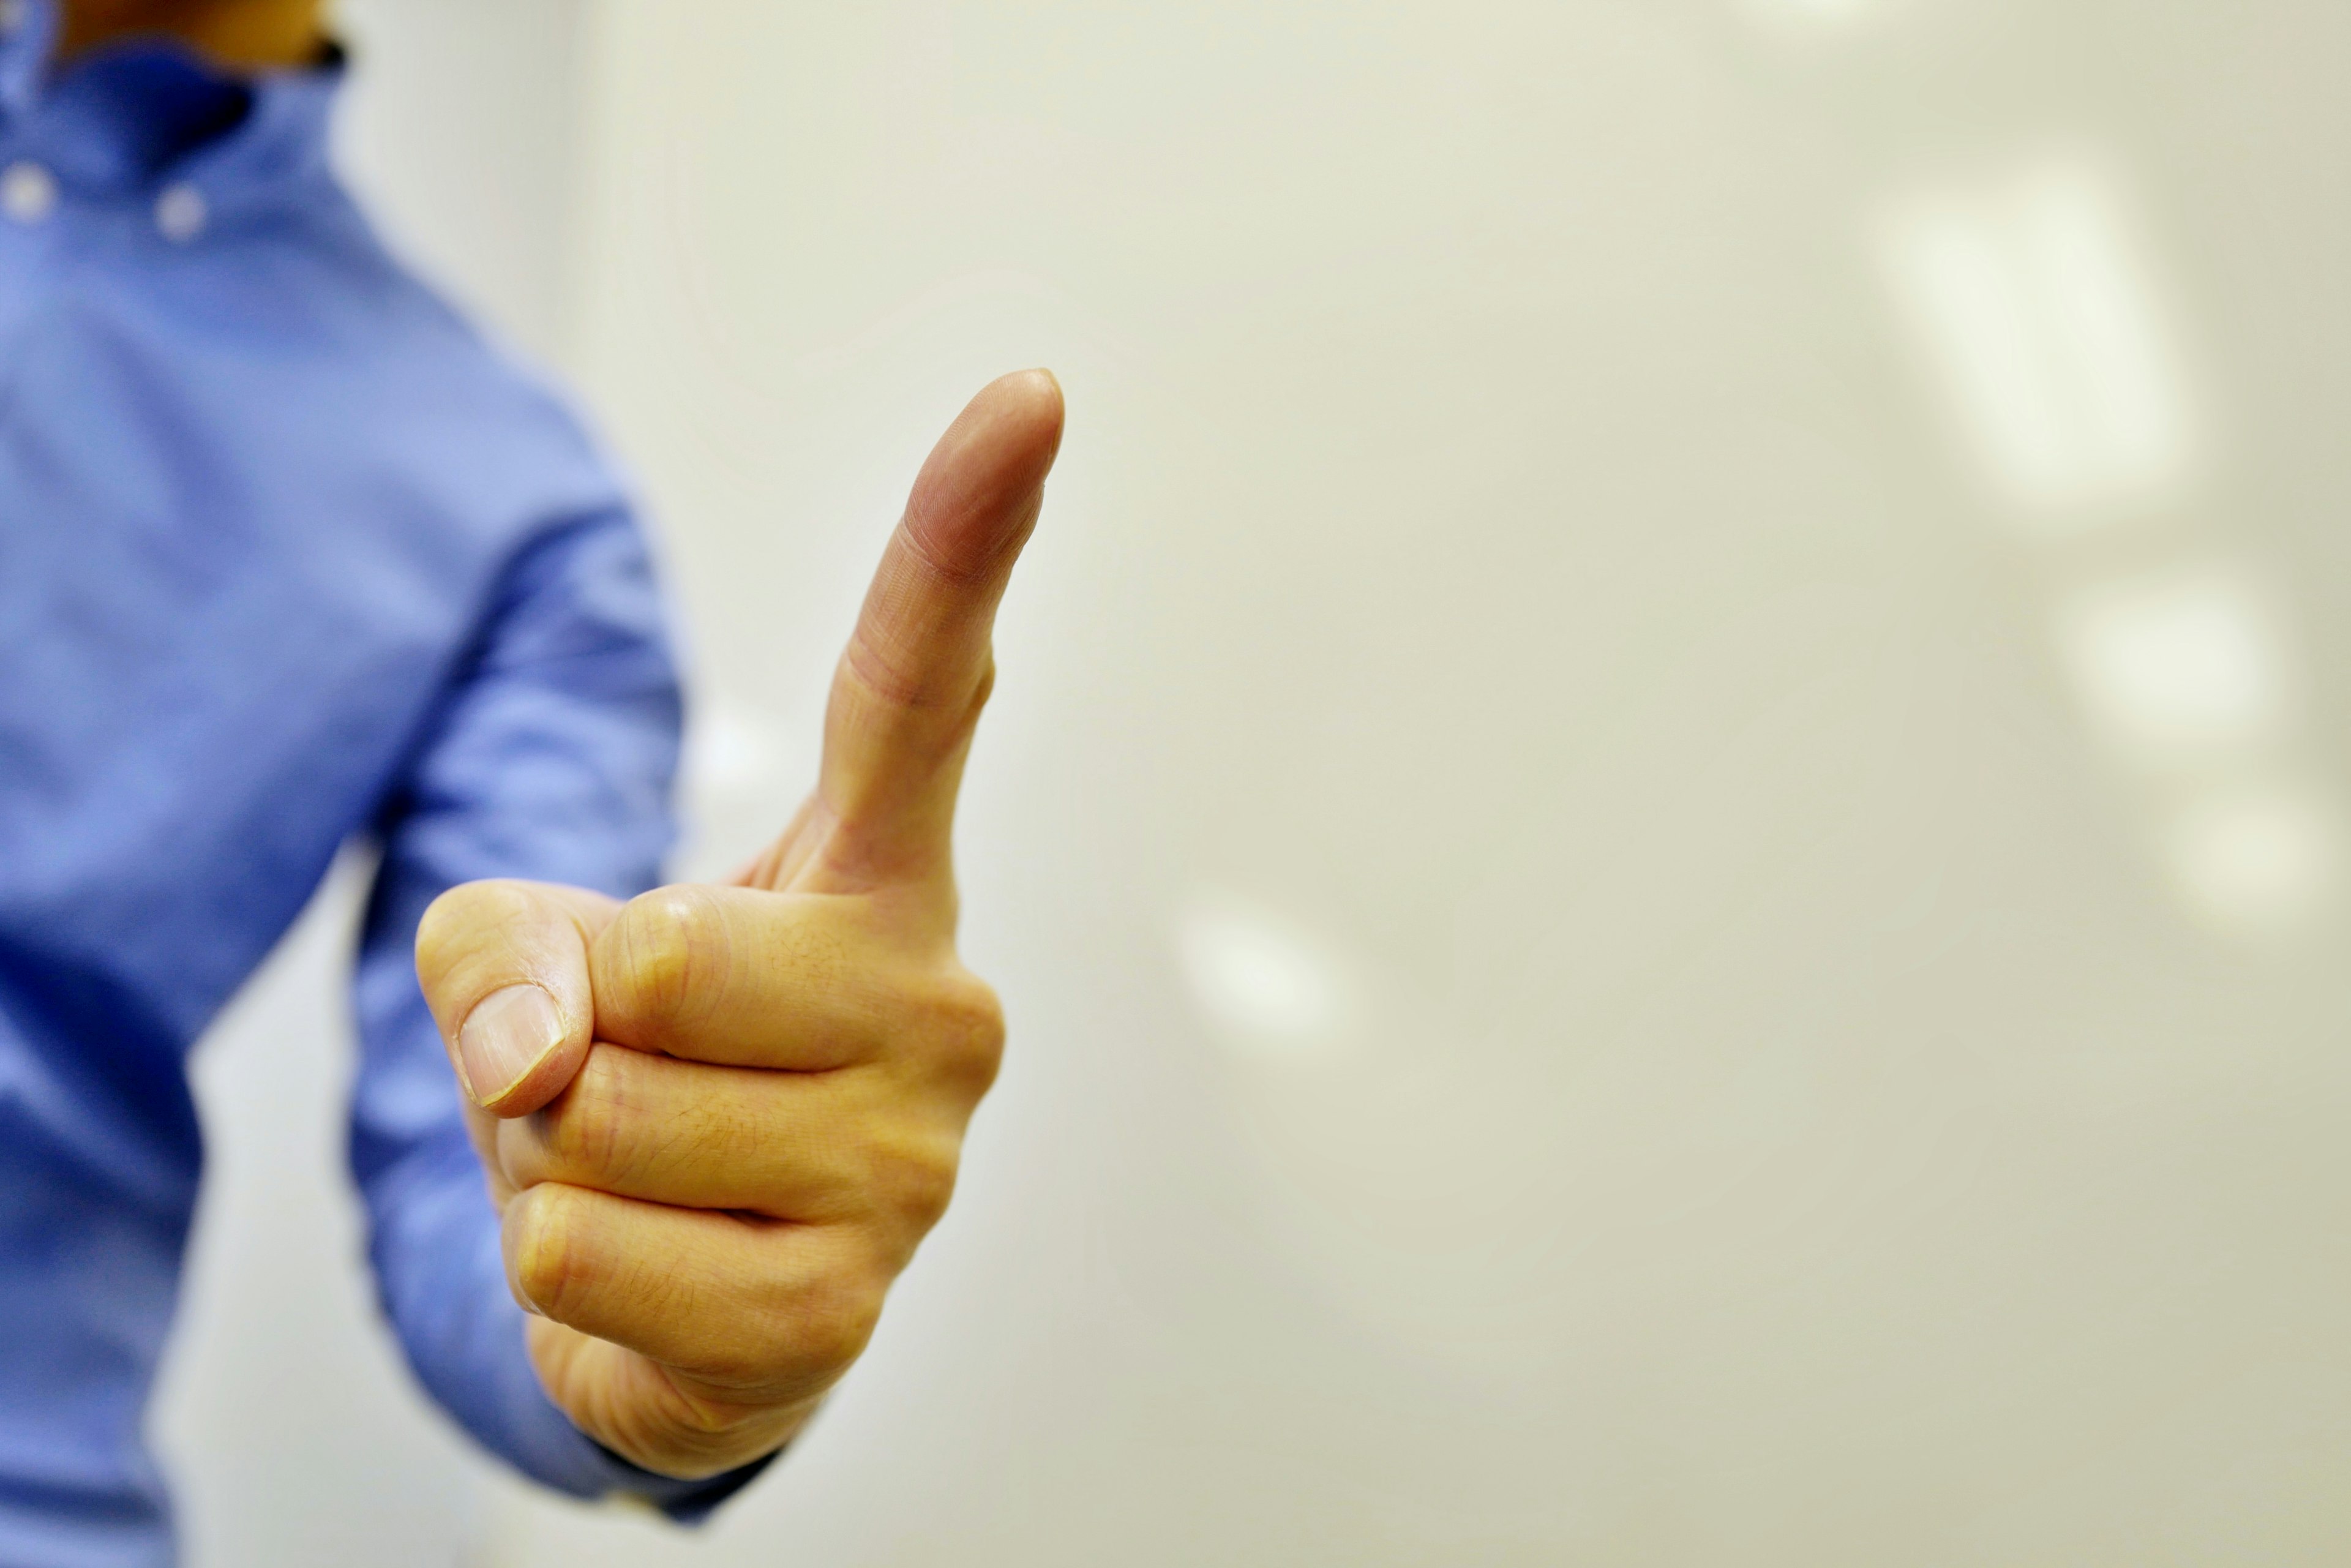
287,555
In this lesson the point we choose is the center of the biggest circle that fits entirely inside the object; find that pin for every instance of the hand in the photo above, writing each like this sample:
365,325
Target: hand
716,1120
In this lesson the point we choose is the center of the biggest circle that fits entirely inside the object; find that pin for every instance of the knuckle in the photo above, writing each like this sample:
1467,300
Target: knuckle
587,1130
671,953
549,1266
885,673
834,1323
964,1022
793,1328
916,1180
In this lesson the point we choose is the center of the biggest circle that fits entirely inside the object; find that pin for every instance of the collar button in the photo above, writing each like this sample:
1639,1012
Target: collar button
180,212
29,193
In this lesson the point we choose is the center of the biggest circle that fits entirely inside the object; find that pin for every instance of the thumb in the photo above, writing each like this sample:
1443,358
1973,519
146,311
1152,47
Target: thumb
505,970
910,684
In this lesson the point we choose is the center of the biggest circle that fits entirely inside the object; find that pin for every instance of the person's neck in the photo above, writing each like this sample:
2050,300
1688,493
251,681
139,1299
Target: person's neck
235,35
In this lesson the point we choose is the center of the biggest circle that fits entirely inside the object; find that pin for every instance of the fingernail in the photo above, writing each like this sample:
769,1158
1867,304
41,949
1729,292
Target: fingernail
508,1033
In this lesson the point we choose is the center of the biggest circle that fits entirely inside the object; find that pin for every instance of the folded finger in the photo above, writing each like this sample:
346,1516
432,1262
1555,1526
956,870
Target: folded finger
763,1309
752,979
789,1145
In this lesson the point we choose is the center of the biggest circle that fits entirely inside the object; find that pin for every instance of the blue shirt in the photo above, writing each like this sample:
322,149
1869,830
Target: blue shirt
286,556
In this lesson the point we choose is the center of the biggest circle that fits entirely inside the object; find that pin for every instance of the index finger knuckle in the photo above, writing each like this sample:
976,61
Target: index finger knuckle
961,1022
665,957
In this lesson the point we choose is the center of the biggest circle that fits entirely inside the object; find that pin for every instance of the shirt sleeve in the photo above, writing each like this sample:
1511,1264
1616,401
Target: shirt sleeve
550,757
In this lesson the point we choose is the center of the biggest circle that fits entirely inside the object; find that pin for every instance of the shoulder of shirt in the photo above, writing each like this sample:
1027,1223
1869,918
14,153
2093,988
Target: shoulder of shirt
452,381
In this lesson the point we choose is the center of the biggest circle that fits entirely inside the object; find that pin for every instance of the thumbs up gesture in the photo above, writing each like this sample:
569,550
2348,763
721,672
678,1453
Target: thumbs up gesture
716,1120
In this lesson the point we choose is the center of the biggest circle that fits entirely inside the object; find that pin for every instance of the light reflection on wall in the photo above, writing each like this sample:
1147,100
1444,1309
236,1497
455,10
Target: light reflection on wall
1406,1178
1273,992
2253,858
742,773
733,749
1812,14
2175,666
2032,300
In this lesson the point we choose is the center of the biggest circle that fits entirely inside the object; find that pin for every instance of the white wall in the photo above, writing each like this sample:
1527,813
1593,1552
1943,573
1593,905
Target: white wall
1661,821
1629,937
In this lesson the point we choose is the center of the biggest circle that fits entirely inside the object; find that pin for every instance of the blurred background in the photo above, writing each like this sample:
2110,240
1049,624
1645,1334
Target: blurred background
1664,827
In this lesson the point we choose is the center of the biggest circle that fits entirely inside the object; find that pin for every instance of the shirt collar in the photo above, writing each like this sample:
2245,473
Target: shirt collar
126,115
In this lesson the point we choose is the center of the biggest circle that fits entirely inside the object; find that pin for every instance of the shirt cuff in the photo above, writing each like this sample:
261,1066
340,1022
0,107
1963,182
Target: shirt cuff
686,1502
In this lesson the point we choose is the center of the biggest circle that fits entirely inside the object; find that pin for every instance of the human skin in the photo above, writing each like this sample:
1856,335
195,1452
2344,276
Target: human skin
241,35
718,1119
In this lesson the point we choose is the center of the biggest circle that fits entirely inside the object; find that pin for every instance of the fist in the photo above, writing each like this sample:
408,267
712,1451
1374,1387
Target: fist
718,1119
